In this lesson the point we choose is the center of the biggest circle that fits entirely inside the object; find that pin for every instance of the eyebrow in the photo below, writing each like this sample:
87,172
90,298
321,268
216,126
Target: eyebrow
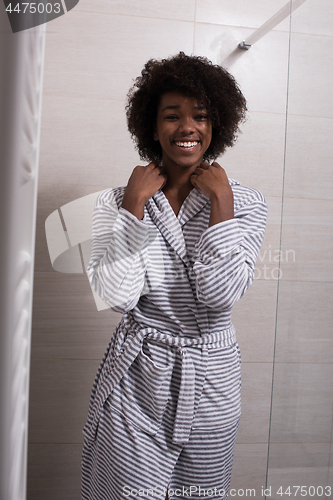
177,106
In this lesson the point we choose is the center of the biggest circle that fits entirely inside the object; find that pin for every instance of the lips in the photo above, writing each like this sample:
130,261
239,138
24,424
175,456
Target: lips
186,144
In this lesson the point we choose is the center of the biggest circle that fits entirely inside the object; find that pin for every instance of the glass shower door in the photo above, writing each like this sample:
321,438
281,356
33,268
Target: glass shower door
300,443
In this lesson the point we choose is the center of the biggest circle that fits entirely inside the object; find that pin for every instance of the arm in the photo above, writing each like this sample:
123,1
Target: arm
118,262
226,257
227,251
120,241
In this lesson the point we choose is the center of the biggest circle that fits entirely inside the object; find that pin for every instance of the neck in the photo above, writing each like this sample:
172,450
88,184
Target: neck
178,178
178,186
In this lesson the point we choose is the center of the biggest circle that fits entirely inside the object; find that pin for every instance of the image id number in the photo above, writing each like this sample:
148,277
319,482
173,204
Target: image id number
303,491
33,7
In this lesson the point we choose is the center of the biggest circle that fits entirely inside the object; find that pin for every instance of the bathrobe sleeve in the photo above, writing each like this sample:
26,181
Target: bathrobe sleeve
118,263
226,255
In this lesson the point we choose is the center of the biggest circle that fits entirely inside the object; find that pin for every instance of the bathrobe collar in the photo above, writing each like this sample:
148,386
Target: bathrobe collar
170,225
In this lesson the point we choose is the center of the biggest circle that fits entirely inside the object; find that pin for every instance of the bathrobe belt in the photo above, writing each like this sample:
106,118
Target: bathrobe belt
129,351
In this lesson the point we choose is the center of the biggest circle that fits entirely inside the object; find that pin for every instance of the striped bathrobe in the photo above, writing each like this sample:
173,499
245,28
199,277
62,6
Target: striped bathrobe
165,404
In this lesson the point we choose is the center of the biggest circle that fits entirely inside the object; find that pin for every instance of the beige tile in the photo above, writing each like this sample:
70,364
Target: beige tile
259,163
237,13
314,17
307,237
66,323
261,72
96,148
294,455
256,402
274,208
304,212
254,320
308,172
302,403
330,471
329,489
298,464
97,55
304,322
168,9
50,198
54,471
249,470
312,482
59,399
310,76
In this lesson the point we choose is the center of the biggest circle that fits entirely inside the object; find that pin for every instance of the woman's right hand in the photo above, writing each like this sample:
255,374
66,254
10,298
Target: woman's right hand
143,183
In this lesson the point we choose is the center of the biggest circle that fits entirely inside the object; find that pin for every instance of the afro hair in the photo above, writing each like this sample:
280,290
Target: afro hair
192,76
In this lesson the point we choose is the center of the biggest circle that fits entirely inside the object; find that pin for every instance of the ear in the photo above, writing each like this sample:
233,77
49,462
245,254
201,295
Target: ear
155,133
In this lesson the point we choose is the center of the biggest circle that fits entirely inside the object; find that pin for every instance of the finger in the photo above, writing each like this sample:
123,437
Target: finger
204,165
164,181
193,179
160,169
153,165
199,170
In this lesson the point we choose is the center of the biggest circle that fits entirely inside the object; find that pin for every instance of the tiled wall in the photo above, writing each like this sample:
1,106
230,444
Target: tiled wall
92,55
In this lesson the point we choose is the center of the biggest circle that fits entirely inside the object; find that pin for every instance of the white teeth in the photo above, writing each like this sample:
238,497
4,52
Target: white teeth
187,144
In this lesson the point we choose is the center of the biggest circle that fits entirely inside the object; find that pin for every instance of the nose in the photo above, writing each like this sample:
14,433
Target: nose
186,125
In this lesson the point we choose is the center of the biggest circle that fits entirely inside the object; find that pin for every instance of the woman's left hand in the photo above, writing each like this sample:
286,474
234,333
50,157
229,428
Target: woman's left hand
213,181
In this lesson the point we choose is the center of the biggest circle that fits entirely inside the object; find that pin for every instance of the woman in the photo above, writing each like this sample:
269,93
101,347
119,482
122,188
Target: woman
173,251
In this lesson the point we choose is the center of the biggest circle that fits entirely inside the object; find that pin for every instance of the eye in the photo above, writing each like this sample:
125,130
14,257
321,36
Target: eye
171,117
201,117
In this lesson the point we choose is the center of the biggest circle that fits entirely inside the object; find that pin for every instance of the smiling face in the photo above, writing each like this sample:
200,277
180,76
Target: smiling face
183,129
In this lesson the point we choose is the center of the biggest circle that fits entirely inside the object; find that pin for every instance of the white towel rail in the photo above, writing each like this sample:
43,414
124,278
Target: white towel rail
21,70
